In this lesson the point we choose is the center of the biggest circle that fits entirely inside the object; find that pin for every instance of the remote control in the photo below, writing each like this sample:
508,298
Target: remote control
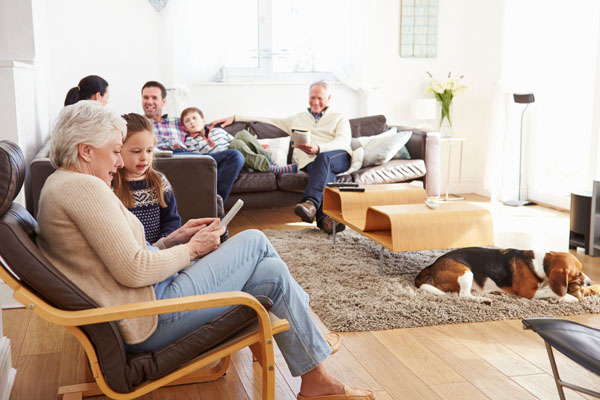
342,184
351,189
431,204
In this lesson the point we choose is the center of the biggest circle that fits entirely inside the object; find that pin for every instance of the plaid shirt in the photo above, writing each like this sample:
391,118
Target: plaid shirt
318,116
169,133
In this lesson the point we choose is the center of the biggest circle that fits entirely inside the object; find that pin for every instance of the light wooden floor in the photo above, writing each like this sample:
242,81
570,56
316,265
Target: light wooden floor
495,360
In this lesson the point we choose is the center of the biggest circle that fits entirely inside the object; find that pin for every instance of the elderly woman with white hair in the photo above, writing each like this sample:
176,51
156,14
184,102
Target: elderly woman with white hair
97,243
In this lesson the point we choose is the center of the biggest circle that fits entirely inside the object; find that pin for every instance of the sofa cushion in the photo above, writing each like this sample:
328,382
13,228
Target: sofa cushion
248,182
402,154
356,163
391,172
383,147
292,182
279,149
368,126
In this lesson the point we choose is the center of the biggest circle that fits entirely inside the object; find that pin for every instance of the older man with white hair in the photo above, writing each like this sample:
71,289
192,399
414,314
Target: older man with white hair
327,154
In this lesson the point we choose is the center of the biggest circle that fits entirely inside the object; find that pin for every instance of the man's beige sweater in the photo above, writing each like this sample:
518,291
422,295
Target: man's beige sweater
331,132
87,233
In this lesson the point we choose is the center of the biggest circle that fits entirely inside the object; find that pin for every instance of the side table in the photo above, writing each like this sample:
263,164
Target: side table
451,141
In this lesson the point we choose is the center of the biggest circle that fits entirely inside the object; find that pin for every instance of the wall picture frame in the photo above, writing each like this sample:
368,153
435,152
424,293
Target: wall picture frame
418,28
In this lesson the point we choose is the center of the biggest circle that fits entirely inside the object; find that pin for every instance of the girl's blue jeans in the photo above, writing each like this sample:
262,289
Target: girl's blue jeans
246,262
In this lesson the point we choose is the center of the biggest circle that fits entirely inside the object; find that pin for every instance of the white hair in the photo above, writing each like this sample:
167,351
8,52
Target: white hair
321,83
86,121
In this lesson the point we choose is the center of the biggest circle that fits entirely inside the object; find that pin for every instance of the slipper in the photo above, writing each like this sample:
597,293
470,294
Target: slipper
334,340
349,394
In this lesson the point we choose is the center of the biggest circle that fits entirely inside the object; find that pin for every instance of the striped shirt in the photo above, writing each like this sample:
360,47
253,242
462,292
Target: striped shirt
218,139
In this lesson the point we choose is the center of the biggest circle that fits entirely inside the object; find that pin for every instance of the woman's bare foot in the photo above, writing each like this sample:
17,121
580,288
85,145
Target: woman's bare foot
318,382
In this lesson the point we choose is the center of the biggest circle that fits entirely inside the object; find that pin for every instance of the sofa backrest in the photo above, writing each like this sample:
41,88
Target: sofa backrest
365,126
368,126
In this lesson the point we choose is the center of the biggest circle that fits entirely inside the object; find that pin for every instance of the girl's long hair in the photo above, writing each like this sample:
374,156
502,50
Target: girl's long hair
137,123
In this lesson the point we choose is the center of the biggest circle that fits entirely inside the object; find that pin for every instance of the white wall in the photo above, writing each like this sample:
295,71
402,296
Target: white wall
120,41
22,103
16,33
469,43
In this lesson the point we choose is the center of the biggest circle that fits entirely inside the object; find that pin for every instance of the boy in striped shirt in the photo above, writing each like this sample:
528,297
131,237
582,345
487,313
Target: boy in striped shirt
202,140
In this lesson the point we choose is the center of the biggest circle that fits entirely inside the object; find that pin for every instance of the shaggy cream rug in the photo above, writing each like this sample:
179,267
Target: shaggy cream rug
348,294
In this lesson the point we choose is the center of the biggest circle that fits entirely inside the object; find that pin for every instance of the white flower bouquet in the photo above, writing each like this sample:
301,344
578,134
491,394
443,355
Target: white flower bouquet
444,92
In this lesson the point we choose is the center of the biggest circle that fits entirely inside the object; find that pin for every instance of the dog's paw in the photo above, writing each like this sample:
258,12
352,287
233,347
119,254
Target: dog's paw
569,298
482,300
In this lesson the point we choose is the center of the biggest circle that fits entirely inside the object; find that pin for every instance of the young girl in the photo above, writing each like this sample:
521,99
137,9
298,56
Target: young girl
144,191
201,140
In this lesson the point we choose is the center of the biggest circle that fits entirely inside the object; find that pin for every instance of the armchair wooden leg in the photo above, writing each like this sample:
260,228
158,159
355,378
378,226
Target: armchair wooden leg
73,396
89,377
255,348
79,391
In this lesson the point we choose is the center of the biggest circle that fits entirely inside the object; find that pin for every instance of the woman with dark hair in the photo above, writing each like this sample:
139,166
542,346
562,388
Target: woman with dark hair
91,87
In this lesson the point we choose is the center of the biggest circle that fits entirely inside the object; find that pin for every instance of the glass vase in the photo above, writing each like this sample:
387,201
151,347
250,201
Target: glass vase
446,123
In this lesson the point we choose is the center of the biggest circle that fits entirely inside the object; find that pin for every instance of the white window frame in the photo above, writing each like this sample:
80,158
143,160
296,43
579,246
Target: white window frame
264,69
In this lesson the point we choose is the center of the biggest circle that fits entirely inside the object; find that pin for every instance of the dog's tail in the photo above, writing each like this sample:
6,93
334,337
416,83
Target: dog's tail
423,277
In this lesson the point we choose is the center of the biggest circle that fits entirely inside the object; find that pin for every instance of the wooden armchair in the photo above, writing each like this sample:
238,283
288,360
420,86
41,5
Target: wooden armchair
38,285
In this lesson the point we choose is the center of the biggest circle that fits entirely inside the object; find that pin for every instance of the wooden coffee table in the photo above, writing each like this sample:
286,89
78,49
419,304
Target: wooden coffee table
398,226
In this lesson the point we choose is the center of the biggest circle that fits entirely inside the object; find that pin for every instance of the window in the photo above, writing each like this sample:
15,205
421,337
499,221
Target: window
267,40
283,40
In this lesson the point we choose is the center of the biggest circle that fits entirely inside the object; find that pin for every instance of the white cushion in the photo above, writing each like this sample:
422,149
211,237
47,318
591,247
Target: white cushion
382,148
278,147
357,161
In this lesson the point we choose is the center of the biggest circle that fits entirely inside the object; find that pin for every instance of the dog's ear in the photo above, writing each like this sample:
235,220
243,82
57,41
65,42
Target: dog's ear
559,280
528,254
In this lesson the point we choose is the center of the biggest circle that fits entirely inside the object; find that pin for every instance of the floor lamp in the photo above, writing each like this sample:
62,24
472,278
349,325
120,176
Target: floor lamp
521,99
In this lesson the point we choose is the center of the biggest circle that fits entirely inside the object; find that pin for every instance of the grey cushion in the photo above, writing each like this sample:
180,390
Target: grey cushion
391,172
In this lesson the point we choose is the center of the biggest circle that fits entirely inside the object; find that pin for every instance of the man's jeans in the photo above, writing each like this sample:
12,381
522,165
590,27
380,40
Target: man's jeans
229,164
322,171
246,262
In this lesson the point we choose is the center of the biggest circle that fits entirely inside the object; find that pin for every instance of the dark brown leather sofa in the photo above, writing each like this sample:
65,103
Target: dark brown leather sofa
193,177
265,190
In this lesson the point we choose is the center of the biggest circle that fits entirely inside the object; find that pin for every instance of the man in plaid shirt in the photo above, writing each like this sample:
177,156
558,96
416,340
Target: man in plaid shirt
170,136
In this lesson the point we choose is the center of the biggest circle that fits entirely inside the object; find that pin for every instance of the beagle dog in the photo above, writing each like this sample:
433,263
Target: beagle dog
523,273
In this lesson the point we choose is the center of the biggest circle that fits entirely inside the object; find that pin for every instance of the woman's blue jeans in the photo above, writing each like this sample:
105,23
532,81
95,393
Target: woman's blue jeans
246,262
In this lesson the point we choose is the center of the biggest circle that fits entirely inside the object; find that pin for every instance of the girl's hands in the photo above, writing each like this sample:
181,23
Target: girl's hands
205,240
